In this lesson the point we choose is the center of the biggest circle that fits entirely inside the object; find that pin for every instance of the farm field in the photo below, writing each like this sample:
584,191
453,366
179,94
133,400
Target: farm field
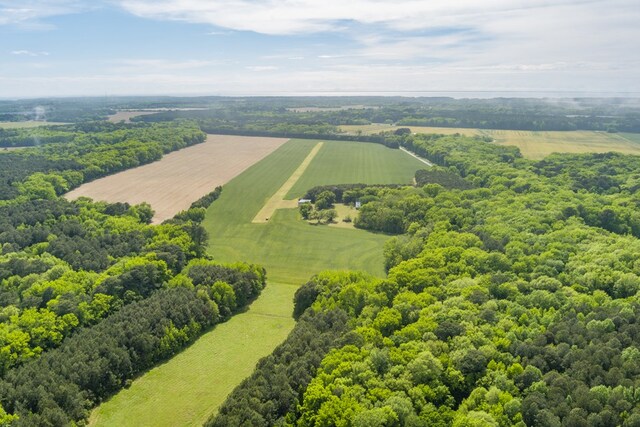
179,178
290,249
316,247
537,145
533,145
633,137
26,124
380,127
339,163
126,116
277,200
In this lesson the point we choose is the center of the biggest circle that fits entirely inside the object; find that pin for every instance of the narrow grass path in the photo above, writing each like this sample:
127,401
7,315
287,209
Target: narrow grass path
275,202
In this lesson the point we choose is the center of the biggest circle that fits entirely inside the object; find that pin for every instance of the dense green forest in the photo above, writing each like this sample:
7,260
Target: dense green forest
91,295
512,300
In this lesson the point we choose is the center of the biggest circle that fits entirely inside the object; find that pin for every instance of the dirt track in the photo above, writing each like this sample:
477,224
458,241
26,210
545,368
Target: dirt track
173,183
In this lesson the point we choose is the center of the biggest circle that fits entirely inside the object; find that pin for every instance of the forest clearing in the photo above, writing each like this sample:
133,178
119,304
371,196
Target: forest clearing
179,178
533,145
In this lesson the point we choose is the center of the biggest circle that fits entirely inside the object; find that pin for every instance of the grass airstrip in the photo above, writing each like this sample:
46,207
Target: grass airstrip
190,387
533,145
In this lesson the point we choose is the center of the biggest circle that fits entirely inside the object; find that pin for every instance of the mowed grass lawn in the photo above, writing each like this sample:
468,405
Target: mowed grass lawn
532,145
190,387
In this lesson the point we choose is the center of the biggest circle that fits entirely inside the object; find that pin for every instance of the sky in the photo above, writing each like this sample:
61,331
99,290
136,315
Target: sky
289,47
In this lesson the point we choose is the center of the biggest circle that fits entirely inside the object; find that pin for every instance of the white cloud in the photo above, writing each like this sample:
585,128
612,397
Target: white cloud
30,13
219,33
364,45
262,67
158,65
302,16
28,53
521,35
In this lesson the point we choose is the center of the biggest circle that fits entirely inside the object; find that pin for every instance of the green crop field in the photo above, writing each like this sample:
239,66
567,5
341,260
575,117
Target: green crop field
633,137
537,145
191,386
340,163
533,145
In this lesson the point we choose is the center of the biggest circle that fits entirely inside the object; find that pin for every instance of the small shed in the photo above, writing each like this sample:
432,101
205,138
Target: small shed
358,204
303,201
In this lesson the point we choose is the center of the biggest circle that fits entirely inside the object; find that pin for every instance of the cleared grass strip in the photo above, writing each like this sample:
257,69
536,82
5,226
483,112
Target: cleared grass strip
176,392
277,200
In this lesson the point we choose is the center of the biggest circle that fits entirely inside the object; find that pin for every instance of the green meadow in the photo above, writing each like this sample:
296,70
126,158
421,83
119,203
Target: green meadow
191,386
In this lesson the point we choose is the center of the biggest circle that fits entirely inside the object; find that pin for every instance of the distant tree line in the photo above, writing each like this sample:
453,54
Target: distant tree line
257,117
604,114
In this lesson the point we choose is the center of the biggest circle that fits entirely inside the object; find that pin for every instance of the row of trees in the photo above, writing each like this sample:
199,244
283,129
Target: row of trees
273,390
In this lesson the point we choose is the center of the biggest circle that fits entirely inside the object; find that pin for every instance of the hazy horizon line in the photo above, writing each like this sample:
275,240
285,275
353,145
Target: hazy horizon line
456,94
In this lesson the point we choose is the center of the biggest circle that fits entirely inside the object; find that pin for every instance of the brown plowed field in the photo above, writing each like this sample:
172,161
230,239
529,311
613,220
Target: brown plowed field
171,184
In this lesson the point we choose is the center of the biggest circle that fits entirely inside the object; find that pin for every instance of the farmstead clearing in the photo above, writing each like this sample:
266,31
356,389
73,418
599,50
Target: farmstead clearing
171,184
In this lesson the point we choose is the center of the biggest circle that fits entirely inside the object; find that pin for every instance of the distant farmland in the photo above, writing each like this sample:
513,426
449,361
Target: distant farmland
173,183
27,124
126,116
533,145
